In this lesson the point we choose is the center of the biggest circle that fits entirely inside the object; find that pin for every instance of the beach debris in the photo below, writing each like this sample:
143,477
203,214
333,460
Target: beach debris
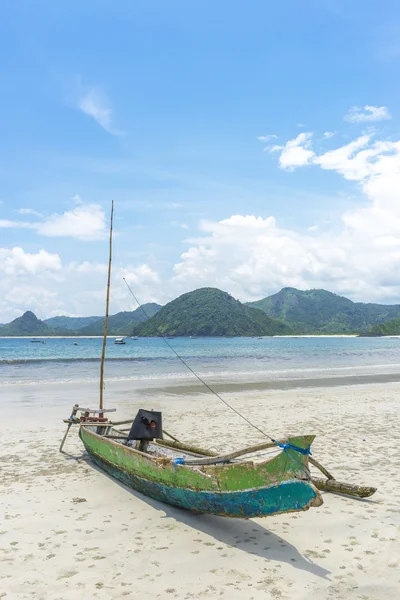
76,500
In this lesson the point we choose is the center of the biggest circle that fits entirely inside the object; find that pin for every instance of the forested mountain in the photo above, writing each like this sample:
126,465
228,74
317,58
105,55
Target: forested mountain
391,327
71,323
119,324
209,312
320,311
28,324
123,322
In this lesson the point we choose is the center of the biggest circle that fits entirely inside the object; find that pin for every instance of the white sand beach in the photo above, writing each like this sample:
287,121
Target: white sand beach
69,532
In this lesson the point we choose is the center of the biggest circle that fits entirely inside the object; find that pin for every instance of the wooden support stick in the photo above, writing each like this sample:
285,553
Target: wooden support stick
187,447
171,436
320,467
338,487
223,457
70,422
103,352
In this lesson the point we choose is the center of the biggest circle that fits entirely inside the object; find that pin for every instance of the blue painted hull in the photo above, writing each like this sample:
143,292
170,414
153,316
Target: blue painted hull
291,495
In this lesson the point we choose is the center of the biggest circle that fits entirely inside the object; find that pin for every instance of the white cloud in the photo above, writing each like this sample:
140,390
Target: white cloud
29,211
359,257
4,223
96,105
247,255
328,134
296,152
141,274
267,138
16,261
346,159
83,222
39,282
87,267
367,114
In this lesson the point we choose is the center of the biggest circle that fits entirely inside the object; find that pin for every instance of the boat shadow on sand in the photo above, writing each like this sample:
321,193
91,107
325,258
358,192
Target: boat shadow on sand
246,535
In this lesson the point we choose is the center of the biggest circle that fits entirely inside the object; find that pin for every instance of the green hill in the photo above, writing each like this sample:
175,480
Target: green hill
209,312
28,325
320,311
391,327
70,323
123,322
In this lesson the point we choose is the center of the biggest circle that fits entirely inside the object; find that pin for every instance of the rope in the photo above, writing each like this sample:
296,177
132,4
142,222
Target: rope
284,447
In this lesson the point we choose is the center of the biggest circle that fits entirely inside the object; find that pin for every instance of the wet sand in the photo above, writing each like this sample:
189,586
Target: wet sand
195,387
68,531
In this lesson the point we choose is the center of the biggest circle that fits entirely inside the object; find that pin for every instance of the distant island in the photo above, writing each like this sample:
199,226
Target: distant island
213,312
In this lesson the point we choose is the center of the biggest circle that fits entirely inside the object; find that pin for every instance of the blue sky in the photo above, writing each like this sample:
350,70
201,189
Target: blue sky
160,106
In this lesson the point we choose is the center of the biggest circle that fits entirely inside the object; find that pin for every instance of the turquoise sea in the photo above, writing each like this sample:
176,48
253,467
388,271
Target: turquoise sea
216,359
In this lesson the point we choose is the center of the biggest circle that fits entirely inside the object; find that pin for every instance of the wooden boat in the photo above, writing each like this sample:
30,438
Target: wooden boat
237,484
178,476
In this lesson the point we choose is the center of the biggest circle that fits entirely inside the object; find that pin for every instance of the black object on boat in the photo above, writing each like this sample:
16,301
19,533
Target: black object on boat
146,426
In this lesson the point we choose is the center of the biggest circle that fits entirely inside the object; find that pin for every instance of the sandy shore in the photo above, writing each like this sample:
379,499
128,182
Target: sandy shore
67,531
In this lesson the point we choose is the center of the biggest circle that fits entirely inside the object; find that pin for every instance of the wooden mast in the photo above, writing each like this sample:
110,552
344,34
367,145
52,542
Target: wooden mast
103,353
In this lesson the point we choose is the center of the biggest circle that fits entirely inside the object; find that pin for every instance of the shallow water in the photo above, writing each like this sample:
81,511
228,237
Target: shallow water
224,359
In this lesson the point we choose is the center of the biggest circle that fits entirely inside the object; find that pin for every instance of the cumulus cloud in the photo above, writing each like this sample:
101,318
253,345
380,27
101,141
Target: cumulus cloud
41,283
252,256
248,255
84,222
16,261
141,274
27,281
296,152
367,114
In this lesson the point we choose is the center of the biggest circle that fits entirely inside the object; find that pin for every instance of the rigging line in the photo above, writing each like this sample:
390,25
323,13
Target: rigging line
303,467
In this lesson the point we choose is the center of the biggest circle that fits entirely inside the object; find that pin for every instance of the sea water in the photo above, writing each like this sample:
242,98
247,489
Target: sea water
216,359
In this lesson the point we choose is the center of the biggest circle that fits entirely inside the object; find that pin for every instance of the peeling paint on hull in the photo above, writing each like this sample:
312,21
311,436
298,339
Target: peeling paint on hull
283,497
236,490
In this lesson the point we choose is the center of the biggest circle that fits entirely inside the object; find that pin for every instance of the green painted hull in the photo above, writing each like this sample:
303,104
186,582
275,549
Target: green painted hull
244,489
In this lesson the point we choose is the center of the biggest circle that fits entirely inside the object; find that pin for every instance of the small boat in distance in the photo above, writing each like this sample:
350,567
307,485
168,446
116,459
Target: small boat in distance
134,337
119,340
